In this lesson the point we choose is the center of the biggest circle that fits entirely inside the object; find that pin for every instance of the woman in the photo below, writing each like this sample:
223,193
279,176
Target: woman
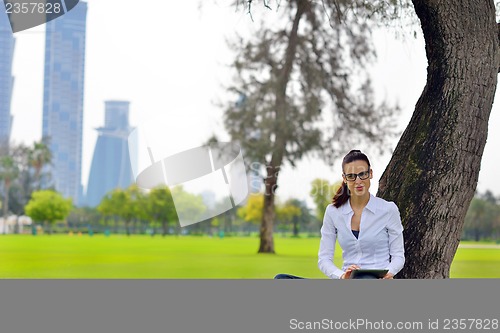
368,228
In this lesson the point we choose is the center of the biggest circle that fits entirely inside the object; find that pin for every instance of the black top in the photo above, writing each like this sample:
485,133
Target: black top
355,233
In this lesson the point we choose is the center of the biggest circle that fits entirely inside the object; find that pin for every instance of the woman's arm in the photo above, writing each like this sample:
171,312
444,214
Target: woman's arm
327,247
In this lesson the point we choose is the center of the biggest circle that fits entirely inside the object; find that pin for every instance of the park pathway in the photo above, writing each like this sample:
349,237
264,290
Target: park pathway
479,246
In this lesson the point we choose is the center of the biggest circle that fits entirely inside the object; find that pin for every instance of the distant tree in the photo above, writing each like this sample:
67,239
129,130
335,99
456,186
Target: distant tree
475,218
188,204
27,177
129,205
48,207
105,208
126,205
496,224
138,205
227,218
304,219
481,220
112,204
289,213
490,197
291,75
123,204
160,207
8,173
251,212
39,155
83,217
322,193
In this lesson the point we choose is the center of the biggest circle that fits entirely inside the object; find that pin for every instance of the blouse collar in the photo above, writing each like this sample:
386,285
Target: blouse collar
371,205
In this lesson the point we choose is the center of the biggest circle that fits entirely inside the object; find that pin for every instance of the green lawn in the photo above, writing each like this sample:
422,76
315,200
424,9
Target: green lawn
117,256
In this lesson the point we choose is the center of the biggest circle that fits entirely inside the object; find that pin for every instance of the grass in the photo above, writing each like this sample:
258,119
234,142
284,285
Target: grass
476,262
185,257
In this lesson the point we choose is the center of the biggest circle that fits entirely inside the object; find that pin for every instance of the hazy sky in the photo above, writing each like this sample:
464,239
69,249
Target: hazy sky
169,59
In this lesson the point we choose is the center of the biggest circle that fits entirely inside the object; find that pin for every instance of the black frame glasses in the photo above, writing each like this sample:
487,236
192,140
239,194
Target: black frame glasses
362,175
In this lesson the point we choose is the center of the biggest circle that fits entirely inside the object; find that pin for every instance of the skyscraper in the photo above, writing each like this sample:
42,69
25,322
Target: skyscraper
63,98
111,166
6,78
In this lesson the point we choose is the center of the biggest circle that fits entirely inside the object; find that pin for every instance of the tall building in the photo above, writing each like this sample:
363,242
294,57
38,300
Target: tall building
111,166
6,78
63,99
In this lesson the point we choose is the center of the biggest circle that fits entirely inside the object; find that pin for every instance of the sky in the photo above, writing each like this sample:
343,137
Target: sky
170,60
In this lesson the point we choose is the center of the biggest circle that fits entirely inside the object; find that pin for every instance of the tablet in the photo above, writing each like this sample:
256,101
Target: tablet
368,273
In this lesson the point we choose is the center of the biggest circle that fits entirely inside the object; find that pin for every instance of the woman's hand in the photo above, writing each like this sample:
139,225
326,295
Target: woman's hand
388,276
348,271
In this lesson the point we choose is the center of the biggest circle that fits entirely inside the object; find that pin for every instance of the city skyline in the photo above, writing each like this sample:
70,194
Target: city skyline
111,164
64,74
7,43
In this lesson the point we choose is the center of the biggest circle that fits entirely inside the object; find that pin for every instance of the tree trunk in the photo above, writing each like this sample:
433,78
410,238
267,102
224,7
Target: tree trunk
295,226
266,229
476,235
127,227
228,223
434,170
164,228
6,204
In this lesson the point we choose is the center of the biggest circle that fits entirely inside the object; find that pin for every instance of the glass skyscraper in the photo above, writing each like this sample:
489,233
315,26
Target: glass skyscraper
6,78
111,166
63,98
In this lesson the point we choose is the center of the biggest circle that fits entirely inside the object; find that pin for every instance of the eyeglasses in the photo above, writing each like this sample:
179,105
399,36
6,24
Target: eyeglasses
352,176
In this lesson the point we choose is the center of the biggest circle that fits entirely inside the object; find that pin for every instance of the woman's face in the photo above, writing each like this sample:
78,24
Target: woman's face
358,169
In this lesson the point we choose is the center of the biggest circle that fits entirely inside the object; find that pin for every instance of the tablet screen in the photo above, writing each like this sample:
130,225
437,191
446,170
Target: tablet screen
368,273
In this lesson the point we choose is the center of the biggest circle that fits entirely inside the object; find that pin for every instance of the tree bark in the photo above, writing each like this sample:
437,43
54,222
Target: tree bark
434,170
266,227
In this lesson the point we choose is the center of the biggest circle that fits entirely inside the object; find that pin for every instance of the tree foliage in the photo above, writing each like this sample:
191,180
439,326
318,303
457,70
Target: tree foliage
483,218
27,164
292,213
315,72
160,207
8,173
322,193
188,204
252,211
48,206
38,157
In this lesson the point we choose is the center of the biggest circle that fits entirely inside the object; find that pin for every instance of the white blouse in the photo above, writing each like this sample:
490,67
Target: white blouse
379,246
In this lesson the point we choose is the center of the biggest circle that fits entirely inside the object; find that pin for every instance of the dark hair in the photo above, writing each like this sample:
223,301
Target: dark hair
342,194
